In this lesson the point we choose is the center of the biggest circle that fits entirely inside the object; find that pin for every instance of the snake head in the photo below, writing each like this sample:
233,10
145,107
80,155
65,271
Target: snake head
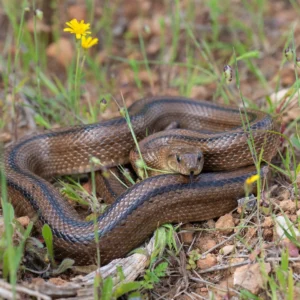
185,160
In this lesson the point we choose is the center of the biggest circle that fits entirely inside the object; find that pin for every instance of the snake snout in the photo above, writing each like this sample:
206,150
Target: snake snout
193,163
187,161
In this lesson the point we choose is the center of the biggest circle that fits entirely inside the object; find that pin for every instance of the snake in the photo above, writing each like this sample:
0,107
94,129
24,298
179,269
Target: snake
221,132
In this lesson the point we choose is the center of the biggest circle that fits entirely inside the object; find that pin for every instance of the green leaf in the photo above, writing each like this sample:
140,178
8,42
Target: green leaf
281,278
66,264
273,287
298,169
5,266
135,296
8,215
153,277
248,295
40,121
20,248
250,54
127,287
295,141
48,237
290,295
107,290
287,158
133,64
160,270
139,251
48,83
285,260
120,273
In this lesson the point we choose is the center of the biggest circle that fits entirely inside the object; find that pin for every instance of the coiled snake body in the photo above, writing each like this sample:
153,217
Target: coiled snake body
31,162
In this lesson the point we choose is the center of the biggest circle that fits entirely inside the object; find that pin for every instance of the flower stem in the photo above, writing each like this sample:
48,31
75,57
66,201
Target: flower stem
76,83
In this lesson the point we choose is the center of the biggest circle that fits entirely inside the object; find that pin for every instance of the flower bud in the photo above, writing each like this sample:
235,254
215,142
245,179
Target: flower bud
289,54
39,14
123,112
228,73
103,105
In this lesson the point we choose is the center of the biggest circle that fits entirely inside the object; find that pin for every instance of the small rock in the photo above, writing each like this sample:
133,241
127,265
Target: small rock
234,260
187,237
225,224
205,242
249,277
251,232
187,233
284,195
288,205
268,222
210,244
224,290
211,223
24,221
293,218
286,224
227,249
268,234
296,267
236,221
209,261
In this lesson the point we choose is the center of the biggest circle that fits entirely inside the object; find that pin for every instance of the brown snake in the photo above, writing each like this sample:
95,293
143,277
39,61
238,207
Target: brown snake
31,162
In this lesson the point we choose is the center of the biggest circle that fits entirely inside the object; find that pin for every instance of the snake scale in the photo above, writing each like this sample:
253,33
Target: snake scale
33,161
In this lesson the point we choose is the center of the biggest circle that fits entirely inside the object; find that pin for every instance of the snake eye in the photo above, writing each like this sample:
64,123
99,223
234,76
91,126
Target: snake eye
199,156
178,158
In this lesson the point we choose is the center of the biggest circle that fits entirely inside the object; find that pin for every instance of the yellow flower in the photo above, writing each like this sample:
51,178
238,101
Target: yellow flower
252,179
88,42
80,29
